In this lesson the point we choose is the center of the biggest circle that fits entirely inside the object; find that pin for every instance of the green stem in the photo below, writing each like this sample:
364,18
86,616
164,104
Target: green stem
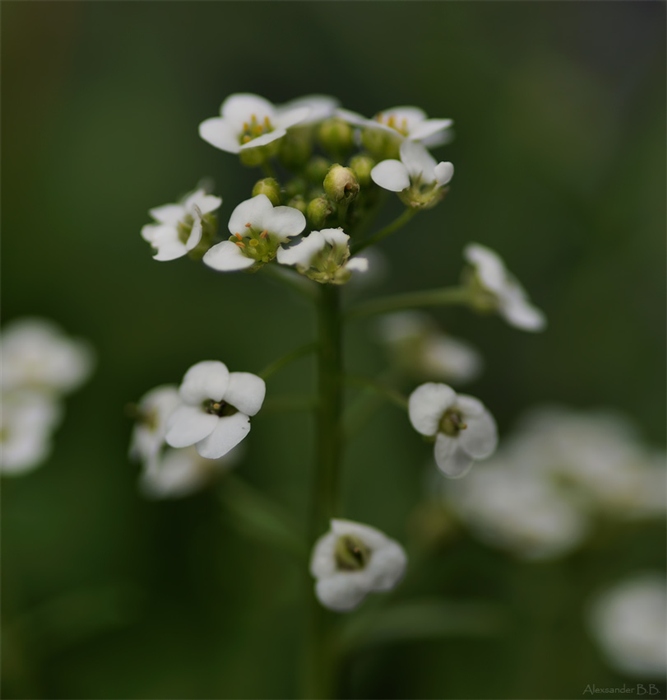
379,388
383,233
413,300
268,168
291,278
287,359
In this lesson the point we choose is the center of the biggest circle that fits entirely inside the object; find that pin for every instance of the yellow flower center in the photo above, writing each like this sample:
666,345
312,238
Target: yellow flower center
254,128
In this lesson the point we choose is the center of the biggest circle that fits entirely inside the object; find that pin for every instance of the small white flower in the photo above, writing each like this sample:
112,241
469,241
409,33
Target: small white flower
27,420
257,229
629,621
154,410
180,227
417,170
249,121
351,561
498,289
324,256
216,408
36,354
320,107
464,430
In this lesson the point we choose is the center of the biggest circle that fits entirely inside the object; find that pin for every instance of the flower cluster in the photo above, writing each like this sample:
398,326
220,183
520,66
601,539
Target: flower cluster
40,365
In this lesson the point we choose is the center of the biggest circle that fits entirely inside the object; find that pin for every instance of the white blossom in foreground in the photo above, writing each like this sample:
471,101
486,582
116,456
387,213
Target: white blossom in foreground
416,176
216,408
258,228
36,354
27,421
419,349
463,429
180,227
629,621
249,121
153,411
324,256
351,561
496,289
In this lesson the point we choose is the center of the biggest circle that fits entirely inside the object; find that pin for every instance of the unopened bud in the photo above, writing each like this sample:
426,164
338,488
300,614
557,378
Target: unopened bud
336,136
295,149
269,187
341,184
362,166
318,210
299,203
317,169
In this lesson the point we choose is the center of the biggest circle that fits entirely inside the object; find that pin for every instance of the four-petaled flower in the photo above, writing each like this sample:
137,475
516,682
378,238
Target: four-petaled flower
257,229
351,561
462,427
324,256
249,121
496,289
153,411
216,407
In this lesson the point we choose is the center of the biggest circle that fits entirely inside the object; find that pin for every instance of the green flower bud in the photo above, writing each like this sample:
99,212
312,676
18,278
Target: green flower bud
296,186
299,203
317,169
295,148
270,187
380,144
341,184
318,210
335,136
362,166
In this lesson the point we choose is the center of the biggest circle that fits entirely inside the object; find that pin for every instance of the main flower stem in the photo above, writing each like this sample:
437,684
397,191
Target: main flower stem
383,233
319,678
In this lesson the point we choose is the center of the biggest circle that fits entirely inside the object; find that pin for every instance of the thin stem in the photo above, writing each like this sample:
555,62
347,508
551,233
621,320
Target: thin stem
386,392
287,359
291,278
279,404
268,169
383,233
413,300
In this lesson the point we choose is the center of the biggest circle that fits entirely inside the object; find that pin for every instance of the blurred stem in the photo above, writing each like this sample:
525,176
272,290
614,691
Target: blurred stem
386,392
383,233
319,676
413,300
290,278
287,359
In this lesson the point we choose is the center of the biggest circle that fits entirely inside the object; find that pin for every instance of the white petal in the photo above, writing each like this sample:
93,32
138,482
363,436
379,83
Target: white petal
205,380
391,175
387,566
444,172
520,313
489,265
220,134
480,437
245,392
241,107
148,231
352,118
429,128
335,237
168,214
358,264
322,560
283,222
418,161
227,257
229,431
427,404
288,118
342,592
168,244
195,234
188,425
251,211
303,252
450,458
264,139
411,115
321,107
371,536
206,203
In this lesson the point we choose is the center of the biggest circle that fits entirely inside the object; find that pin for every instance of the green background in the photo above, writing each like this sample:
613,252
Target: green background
559,113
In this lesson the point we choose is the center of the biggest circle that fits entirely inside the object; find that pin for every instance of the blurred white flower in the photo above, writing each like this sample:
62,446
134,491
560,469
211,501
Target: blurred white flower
27,420
320,107
629,621
419,349
215,409
257,228
464,430
351,561
36,354
249,121
153,411
497,289
179,227
324,256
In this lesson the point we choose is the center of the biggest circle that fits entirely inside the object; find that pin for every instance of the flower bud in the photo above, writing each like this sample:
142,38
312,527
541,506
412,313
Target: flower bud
295,149
341,184
296,186
336,136
318,210
317,169
362,166
269,187
299,203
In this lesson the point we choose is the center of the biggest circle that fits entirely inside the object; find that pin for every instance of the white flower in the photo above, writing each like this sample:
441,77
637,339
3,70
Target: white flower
463,429
324,256
417,168
36,354
249,121
501,291
154,410
257,229
320,107
421,350
216,408
26,423
351,561
629,622
180,227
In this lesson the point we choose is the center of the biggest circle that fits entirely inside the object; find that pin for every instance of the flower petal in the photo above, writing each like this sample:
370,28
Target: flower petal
168,214
245,392
489,266
206,203
227,257
429,128
358,264
283,222
342,592
229,431
419,162
263,140
252,211
220,134
387,566
288,118
335,236
520,313
239,108
480,438
205,380
195,234
167,243
188,425
321,107
443,172
450,458
303,252
427,404
391,175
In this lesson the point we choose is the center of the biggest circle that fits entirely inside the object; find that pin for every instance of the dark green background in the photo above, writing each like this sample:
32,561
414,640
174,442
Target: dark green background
559,113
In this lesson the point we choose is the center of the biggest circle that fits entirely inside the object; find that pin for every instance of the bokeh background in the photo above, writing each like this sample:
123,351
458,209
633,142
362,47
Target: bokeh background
559,113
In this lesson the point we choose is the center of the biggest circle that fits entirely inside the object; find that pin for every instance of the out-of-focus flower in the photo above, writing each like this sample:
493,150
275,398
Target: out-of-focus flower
324,256
153,411
351,561
249,121
216,407
36,354
463,429
495,289
180,227
257,228
320,107
420,350
628,621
